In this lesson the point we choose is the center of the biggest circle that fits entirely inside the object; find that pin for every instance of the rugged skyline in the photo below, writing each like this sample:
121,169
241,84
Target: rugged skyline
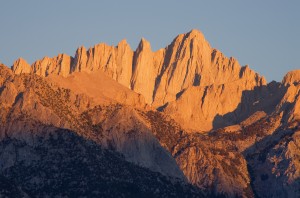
187,70
263,35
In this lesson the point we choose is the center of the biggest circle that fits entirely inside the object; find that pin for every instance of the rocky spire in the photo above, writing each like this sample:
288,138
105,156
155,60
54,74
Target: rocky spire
20,66
143,72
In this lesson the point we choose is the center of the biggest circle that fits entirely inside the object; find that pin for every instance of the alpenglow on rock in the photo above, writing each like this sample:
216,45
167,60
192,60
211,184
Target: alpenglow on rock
21,66
186,78
291,77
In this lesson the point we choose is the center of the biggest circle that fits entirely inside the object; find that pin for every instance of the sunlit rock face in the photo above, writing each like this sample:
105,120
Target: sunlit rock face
20,66
188,79
291,77
185,115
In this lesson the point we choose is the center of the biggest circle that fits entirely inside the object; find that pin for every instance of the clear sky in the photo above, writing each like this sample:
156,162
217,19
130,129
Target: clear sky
262,33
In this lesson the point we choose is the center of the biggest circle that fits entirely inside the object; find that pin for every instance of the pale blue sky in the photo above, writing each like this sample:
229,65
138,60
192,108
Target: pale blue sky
261,33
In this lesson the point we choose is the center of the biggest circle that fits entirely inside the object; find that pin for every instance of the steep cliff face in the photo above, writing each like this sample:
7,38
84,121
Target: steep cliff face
290,102
20,66
186,68
187,63
200,83
146,65
203,107
116,62
59,65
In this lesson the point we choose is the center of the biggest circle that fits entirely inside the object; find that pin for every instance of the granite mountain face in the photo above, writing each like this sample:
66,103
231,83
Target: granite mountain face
182,79
184,116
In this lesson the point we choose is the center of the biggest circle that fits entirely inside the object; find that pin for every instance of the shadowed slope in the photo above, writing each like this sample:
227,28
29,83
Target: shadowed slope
61,163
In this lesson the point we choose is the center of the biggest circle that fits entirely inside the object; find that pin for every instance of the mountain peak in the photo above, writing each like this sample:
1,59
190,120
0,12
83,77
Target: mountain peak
81,48
123,45
20,60
291,77
144,44
21,66
123,42
191,39
195,33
